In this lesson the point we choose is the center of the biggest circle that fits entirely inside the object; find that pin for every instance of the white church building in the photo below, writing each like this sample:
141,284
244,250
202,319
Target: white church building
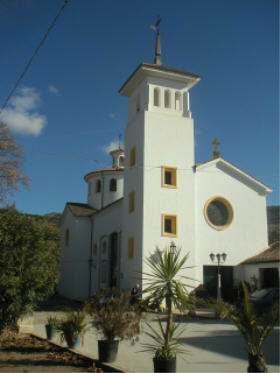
155,194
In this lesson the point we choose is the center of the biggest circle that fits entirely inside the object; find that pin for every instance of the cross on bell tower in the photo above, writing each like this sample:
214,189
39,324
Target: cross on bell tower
216,153
157,59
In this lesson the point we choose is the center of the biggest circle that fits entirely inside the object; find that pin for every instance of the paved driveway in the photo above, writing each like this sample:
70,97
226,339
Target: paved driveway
211,346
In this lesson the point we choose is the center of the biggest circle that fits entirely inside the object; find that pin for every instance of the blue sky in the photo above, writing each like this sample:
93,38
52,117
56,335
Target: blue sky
67,108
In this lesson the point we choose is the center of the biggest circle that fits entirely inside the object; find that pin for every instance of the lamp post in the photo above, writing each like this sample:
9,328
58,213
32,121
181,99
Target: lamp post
219,259
172,247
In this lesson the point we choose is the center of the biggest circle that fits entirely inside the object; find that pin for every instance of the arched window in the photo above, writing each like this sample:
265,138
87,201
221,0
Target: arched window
67,237
113,185
98,186
156,97
121,161
167,98
178,101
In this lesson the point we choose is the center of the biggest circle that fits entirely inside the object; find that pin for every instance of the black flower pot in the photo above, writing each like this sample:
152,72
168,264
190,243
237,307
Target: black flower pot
51,331
162,365
108,350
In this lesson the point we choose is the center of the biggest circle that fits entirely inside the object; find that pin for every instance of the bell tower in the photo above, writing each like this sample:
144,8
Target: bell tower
158,202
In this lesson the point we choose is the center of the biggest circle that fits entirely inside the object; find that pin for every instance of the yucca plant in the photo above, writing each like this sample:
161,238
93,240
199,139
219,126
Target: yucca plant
253,327
159,347
165,282
72,326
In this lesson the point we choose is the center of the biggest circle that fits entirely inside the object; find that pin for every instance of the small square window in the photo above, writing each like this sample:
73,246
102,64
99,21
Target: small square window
169,177
132,157
169,225
130,252
131,202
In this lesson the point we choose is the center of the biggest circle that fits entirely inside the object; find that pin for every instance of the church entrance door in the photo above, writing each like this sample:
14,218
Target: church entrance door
210,281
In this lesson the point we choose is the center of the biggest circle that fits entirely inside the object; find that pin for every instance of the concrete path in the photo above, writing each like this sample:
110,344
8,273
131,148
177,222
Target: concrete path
211,346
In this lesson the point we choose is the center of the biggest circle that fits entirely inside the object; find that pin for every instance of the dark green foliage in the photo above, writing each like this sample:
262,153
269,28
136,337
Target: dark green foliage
29,257
113,316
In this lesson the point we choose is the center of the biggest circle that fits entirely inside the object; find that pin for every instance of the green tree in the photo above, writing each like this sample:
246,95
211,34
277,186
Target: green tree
11,159
254,328
164,282
29,257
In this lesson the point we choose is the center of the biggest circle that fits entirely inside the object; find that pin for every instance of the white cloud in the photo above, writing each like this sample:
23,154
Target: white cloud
21,115
112,146
53,90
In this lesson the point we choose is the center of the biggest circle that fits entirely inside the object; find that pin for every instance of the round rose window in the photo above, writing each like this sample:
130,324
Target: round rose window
218,213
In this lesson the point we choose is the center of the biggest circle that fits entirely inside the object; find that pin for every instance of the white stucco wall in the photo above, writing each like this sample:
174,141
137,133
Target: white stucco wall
132,222
169,142
162,137
105,223
246,236
74,268
245,272
105,196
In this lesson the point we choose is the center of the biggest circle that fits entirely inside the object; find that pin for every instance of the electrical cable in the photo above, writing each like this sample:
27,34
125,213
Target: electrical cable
33,56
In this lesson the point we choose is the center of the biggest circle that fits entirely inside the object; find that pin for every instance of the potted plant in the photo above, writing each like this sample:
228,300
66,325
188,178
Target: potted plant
72,327
115,319
164,283
254,328
51,327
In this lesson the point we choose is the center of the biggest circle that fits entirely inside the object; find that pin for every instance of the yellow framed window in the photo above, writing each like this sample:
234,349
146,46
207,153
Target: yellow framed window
131,204
169,177
169,225
132,157
130,252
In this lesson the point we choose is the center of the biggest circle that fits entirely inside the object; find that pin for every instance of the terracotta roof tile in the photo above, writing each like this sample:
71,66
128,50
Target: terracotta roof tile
119,150
272,254
80,209
104,170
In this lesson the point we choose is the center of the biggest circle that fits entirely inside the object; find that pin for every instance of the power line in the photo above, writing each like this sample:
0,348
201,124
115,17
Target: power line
148,167
33,56
65,156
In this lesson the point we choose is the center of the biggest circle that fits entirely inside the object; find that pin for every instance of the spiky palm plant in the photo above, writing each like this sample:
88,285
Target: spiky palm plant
253,327
165,283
